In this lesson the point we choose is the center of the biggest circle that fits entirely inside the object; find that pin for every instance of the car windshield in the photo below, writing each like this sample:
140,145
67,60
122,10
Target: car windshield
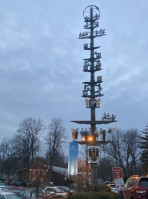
19,193
30,194
11,196
143,182
27,194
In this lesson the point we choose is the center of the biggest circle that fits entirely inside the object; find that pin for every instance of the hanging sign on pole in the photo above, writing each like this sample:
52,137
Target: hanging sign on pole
118,178
93,154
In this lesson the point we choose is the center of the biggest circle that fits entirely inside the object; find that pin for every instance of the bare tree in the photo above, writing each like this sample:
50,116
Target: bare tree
28,141
124,150
83,178
3,157
55,139
40,174
144,147
8,152
105,166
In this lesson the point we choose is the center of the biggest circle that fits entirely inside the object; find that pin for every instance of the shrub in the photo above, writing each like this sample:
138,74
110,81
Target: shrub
103,187
108,195
95,195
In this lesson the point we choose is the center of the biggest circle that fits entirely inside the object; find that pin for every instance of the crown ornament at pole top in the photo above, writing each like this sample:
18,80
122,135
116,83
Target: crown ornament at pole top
86,13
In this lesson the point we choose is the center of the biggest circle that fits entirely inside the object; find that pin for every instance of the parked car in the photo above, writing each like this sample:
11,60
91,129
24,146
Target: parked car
112,187
54,190
2,186
19,193
12,182
22,193
7,181
13,187
23,183
136,187
8,195
107,182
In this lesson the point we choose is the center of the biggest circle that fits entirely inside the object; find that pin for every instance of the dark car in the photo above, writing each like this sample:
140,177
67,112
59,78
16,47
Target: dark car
136,187
23,183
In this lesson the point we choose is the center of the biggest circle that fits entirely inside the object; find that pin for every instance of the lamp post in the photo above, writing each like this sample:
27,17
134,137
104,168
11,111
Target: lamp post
92,90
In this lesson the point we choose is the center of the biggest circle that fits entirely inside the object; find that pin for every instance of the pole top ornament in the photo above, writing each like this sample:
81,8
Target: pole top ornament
96,11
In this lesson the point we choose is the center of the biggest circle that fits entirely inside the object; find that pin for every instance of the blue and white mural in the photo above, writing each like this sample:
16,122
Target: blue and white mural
73,159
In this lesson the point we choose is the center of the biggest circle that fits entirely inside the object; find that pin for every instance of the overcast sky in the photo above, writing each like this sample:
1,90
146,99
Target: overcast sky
41,62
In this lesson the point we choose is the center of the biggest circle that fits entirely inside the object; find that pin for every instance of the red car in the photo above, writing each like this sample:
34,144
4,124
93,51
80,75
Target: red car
136,187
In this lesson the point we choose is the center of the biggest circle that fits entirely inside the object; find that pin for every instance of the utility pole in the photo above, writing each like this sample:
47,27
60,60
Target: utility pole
93,138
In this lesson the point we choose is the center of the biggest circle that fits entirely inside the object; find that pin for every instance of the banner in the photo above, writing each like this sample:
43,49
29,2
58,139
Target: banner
118,178
73,159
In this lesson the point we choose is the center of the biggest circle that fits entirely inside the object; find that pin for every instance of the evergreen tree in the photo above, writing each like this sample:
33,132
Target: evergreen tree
144,147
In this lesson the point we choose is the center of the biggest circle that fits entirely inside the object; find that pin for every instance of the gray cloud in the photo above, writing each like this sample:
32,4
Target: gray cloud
41,60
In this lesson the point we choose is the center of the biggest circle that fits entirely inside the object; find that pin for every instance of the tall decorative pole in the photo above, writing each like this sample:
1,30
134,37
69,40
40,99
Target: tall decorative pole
93,138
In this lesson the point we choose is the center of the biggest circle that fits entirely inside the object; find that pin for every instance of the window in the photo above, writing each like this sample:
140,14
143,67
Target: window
50,190
127,183
143,182
133,181
130,182
2,197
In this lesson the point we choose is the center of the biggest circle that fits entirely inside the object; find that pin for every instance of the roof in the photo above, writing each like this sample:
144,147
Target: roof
60,170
